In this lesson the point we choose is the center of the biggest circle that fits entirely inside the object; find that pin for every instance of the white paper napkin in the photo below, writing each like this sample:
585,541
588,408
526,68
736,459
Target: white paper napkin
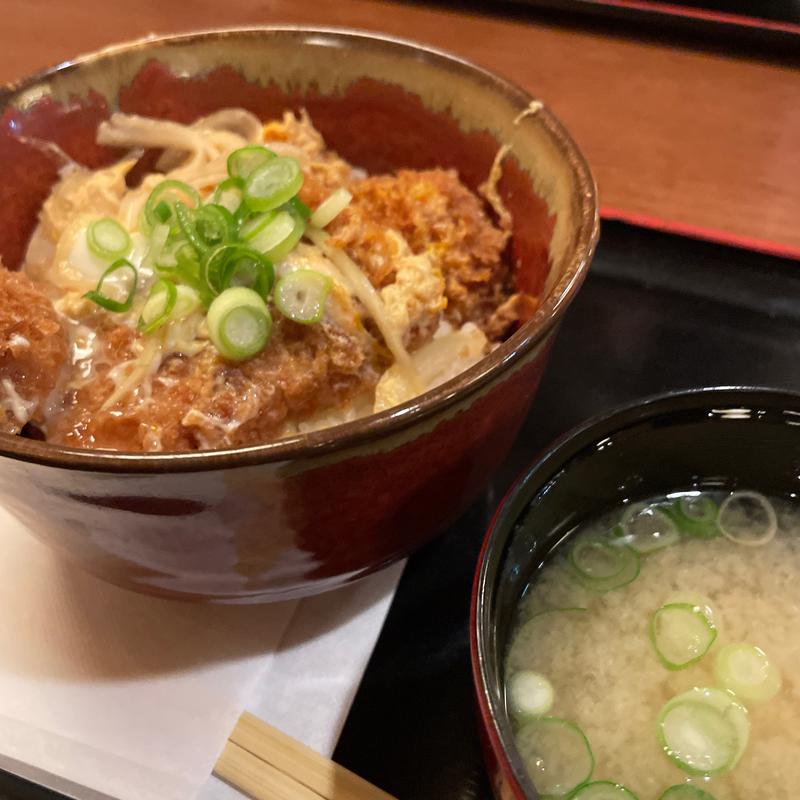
134,696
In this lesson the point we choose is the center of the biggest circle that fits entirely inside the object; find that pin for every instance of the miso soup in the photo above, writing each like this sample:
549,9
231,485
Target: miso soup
657,655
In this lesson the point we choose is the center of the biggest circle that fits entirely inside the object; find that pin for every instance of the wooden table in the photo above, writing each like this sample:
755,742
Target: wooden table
696,140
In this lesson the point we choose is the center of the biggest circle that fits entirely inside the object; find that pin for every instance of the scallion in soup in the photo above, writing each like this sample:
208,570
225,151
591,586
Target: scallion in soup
655,656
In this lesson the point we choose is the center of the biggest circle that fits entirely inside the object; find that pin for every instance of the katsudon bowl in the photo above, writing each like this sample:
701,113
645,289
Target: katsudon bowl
308,512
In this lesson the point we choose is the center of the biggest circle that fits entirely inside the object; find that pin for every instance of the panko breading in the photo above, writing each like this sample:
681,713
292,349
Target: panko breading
439,217
33,349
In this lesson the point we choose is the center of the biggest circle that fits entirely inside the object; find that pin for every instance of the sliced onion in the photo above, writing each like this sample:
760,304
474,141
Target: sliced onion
748,518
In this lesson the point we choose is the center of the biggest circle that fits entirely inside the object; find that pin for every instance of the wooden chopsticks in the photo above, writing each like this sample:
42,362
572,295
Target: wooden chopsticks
266,764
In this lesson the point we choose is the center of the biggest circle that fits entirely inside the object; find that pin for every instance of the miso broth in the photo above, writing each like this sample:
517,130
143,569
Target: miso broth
657,655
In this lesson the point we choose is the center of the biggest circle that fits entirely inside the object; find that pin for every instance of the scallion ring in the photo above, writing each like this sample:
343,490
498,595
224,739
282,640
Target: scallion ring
272,184
279,236
681,634
128,277
331,207
239,323
238,265
242,162
745,670
159,305
301,295
747,518
299,208
230,195
160,205
602,790
107,238
685,791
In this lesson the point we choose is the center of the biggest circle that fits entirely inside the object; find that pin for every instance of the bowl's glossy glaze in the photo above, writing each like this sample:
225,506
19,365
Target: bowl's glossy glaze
715,438
311,512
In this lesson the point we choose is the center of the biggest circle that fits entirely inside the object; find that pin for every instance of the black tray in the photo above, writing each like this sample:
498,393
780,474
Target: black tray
657,312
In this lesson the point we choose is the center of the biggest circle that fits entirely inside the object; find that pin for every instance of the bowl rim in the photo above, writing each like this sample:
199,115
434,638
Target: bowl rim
394,420
544,465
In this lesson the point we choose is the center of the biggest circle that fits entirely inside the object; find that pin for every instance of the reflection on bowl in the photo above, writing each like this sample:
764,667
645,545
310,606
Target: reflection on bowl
314,510
714,439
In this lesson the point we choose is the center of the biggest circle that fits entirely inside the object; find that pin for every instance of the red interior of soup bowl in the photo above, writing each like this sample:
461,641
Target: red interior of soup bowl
309,512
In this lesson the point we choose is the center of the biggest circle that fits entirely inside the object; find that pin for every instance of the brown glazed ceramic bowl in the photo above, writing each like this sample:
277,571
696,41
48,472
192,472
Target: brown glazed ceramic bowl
311,512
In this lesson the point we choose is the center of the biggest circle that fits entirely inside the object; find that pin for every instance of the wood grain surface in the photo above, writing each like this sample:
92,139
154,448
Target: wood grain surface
695,139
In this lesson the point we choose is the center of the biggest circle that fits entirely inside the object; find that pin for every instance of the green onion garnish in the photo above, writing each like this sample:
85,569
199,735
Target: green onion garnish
272,184
230,195
695,516
747,518
681,634
648,528
556,753
603,564
301,295
160,205
107,238
239,323
529,694
207,226
279,236
127,288
159,306
602,790
299,208
331,207
238,265
746,671
242,162
704,731
685,791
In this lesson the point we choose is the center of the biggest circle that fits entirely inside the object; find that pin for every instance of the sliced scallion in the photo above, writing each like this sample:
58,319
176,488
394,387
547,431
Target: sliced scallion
704,731
116,287
242,162
299,208
685,791
301,295
331,207
648,528
273,183
239,323
235,265
602,790
107,238
746,671
160,206
278,236
696,516
602,565
230,195
556,754
529,693
747,518
159,306
681,634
